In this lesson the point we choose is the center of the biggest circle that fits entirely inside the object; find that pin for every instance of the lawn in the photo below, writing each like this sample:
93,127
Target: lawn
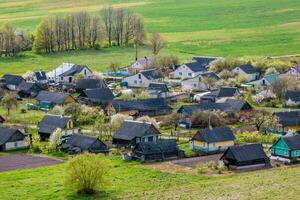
131,181
231,28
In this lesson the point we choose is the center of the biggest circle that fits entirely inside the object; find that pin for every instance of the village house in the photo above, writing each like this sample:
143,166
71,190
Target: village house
11,139
291,99
144,78
265,81
206,61
212,140
157,151
28,89
11,82
139,65
293,71
158,90
133,132
84,84
51,123
102,97
288,121
247,71
221,94
49,99
286,148
141,107
84,144
188,70
40,77
251,156
65,73
198,83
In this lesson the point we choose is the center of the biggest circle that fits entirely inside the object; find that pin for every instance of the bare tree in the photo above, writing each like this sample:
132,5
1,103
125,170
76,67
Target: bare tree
107,17
138,33
157,43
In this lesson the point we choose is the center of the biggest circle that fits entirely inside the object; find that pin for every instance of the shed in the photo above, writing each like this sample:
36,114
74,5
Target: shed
89,83
245,157
54,98
11,139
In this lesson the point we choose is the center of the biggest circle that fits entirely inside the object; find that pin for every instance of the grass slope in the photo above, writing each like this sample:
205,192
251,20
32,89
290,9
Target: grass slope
206,27
130,181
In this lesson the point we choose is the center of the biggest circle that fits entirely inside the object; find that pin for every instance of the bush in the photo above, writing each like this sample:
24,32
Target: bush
86,173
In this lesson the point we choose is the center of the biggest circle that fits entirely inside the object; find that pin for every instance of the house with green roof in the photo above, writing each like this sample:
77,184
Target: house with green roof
286,148
267,80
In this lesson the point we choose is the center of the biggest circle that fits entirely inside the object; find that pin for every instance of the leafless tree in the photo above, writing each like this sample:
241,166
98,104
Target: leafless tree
157,43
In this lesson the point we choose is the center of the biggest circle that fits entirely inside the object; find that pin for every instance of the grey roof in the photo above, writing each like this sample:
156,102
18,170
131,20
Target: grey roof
249,69
227,92
6,134
90,84
204,61
195,66
214,135
159,147
52,122
52,97
288,118
84,142
73,70
12,79
131,129
292,95
98,94
162,87
293,142
153,104
40,76
151,74
29,87
211,75
246,152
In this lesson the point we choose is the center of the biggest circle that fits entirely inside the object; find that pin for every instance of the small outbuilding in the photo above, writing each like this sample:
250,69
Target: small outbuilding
157,151
84,144
250,156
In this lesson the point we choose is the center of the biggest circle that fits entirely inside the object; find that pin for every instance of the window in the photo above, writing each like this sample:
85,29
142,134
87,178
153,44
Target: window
195,85
61,78
180,73
85,72
140,76
135,82
143,139
16,144
297,153
150,139
286,152
189,74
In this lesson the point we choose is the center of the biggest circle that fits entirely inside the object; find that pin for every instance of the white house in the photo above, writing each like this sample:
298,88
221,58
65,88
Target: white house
158,90
144,78
66,72
247,71
197,84
294,71
188,70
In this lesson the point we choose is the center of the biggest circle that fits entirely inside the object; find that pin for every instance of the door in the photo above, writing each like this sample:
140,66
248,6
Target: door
70,79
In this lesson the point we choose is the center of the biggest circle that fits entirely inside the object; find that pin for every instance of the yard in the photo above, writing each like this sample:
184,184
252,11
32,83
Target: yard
132,181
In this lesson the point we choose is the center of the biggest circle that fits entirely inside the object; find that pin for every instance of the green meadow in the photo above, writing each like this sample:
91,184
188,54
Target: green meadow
134,181
231,28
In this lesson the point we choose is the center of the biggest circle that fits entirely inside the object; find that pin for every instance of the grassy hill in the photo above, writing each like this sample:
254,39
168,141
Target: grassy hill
132,181
208,27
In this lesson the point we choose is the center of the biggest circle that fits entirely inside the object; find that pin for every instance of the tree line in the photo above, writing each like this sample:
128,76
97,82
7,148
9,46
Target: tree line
81,30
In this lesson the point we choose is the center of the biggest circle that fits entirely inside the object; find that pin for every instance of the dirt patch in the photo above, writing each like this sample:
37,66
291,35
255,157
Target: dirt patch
25,161
193,162
169,167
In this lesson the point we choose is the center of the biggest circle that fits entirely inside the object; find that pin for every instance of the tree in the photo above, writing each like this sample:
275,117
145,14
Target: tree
149,120
9,101
100,125
271,70
57,110
28,76
107,17
55,139
263,118
74,110
87,173
157,43
205,119
209,82
138,33
283,84
170,120
165,63
117,119
114,66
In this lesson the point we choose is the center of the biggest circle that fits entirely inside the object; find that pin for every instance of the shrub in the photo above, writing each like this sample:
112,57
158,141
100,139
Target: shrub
86,173
55,139
57,110
256,137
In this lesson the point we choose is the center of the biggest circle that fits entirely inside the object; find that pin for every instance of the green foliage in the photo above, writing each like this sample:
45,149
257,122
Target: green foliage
256,137
9,101
212,168
87,173
203,119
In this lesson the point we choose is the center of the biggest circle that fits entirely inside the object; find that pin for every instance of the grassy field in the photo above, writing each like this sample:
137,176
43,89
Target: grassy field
131,181
229,28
